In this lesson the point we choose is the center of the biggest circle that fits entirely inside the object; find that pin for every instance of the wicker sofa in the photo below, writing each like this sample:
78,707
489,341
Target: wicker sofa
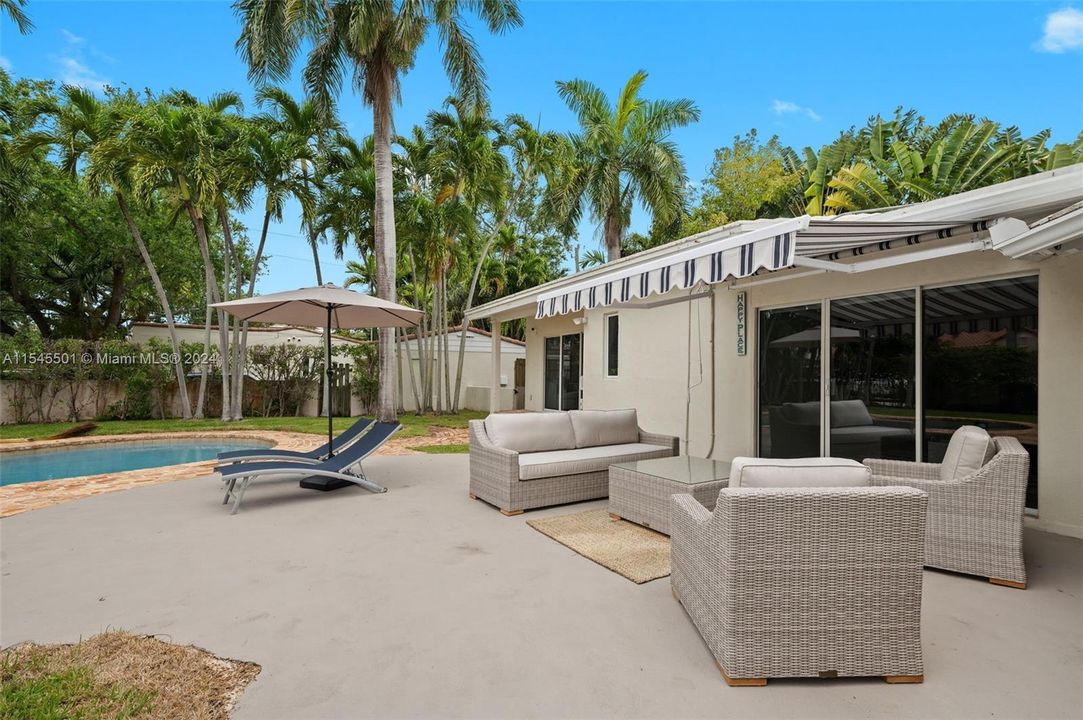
520,461
975,523
790,581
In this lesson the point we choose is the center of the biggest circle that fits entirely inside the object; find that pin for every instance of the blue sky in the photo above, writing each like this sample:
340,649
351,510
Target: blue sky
801,70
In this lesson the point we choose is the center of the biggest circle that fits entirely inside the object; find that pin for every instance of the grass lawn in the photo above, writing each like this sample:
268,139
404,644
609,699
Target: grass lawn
412,425
442,449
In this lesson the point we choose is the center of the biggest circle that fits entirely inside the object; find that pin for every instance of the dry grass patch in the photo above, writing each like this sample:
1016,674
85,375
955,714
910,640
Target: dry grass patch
119,675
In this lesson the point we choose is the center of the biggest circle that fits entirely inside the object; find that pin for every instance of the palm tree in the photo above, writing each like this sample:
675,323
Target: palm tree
622,153
534,154
470,169
303,122
172,144
376,44
14,10
84,128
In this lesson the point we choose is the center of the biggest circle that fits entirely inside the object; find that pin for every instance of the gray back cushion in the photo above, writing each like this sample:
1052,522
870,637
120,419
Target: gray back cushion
849,413
805,413
969,449
531,432
604,427
798,472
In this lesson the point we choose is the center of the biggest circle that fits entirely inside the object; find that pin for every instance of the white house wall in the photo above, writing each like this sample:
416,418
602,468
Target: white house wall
654,353
477,369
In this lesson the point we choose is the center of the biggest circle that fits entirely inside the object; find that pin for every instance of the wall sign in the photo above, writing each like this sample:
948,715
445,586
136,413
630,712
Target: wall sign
742,326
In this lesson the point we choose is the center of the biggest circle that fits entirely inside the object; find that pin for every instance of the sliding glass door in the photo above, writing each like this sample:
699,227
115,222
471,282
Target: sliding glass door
873,377
789,379
563,368
981,364
977,365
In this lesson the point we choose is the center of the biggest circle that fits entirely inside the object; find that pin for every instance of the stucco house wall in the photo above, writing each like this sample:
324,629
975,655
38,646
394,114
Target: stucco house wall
477,370
661,350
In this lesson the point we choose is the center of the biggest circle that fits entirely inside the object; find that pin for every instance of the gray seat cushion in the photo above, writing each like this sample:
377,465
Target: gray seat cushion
555,463
804,413
530,432
798,472
604,427
849,413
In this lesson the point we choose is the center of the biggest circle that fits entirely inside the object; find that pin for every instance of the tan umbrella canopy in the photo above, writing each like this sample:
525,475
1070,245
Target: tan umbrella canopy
313,306
326,306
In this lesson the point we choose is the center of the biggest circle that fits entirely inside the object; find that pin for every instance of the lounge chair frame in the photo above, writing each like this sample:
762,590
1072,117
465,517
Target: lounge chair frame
237,481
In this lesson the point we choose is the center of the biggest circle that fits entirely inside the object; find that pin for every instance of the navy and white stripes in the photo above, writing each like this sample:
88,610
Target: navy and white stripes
771,253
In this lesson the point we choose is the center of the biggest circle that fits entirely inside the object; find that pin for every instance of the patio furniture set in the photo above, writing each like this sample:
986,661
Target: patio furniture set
804,567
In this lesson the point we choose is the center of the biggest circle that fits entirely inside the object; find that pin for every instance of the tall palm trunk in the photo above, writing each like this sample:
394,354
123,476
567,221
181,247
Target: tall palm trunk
444,340
243,352
204,365
400,406
315,257
213,295
384,212
236,389
514,201
418,407
612,232
227,359
437,324
159,289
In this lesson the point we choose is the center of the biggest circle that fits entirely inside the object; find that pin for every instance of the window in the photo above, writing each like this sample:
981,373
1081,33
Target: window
612,329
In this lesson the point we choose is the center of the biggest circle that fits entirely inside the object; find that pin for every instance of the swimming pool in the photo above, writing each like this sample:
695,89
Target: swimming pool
110,457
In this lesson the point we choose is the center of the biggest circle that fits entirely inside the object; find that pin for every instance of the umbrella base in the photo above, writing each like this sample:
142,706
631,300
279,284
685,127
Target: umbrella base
324,484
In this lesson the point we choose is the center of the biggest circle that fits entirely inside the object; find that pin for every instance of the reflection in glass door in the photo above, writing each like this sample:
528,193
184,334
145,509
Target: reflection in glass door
981,365
789,381
873,377
563,363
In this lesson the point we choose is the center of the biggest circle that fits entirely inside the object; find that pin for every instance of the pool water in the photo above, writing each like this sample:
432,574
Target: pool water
35,465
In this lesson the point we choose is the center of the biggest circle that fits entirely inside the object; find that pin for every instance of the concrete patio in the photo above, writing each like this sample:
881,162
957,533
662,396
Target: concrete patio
422,603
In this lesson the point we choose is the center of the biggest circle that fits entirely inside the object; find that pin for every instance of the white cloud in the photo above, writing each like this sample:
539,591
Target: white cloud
73,72
785,107
1063,32
74,69
5,64
71,38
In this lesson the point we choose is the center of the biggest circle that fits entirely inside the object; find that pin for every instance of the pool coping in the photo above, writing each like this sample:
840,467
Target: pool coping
15,499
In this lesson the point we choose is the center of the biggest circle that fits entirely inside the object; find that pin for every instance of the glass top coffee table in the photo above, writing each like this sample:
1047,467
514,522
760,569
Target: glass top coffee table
639,491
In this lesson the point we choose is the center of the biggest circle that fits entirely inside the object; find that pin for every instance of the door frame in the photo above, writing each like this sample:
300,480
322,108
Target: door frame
560,372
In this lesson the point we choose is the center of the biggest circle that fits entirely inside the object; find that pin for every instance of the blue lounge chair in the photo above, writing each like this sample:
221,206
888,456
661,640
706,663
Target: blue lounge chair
317,455
344,466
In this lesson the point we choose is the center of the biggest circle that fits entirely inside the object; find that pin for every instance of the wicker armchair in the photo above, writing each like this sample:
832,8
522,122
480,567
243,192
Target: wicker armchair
975,525
804,582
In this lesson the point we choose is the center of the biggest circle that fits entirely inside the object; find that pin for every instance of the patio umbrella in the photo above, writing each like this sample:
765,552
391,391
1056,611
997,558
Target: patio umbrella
812,337
328,306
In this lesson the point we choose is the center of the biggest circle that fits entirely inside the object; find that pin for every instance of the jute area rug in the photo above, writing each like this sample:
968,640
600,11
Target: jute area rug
631,550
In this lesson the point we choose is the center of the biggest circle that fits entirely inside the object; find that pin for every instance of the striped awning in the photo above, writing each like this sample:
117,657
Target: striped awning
770,247
775,246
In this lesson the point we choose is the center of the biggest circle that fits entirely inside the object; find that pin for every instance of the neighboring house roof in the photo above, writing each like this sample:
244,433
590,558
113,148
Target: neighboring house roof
979,338
253,329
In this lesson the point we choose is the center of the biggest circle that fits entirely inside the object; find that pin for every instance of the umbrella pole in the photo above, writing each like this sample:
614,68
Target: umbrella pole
327,388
